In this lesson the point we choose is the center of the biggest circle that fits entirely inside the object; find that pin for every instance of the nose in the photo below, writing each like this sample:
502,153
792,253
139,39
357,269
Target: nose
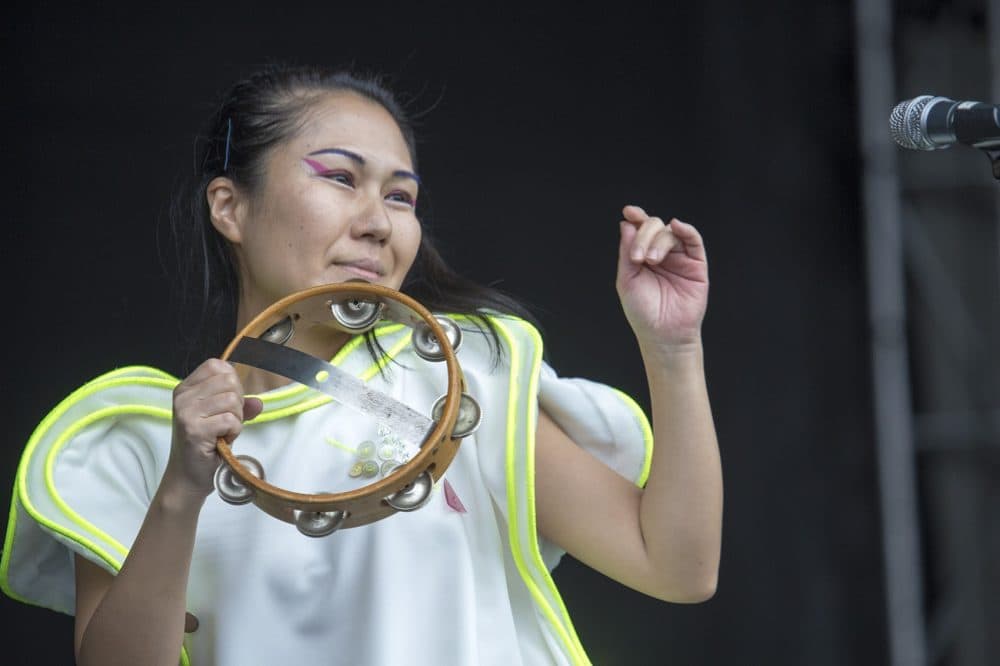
372,220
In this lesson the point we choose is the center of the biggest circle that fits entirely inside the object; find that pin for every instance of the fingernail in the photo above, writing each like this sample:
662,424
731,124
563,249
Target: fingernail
653,255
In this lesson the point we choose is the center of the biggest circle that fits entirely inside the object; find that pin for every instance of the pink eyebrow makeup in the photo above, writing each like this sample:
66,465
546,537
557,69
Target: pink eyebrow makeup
317,167
360,160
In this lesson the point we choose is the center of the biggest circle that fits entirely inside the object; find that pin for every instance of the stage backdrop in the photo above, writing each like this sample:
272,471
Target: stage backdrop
538,128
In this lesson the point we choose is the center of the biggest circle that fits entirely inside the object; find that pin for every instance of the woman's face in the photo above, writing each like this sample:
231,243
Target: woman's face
337,202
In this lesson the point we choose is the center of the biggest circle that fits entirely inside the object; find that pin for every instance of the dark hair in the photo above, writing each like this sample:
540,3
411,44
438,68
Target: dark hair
256,114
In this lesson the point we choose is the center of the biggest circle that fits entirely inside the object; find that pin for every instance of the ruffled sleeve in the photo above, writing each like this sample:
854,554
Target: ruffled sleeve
84,483
601,419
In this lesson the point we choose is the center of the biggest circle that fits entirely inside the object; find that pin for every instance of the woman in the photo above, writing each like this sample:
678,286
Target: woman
310,178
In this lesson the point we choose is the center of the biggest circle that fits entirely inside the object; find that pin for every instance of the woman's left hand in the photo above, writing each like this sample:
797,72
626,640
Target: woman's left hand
662,279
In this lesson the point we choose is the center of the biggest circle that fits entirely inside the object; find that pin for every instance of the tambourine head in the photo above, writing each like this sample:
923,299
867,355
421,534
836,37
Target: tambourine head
230,487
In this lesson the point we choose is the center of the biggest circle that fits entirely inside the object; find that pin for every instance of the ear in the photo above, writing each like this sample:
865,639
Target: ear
225,208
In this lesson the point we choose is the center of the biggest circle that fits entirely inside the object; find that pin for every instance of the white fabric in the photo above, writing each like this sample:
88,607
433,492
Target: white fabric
430,587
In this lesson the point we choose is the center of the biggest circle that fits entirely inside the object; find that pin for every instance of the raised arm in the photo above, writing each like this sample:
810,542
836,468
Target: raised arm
663,540
138,616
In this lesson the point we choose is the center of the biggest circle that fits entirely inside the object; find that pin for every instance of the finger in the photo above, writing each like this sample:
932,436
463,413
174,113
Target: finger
252,407
190,623
661,245
644,237
219,403
686,233
226,425
209,368
207,377
205,432
628,233
634,214
212,385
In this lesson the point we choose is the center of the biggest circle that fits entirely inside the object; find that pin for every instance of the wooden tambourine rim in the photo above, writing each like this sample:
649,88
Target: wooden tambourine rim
436,451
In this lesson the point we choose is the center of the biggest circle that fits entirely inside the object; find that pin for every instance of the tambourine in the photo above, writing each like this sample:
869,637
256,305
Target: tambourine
414,450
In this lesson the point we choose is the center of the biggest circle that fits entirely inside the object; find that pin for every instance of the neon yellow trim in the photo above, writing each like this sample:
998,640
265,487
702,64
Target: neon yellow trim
530,449
340,445
21,491
647,435
563,626
8,546
85,391
70,432
131,370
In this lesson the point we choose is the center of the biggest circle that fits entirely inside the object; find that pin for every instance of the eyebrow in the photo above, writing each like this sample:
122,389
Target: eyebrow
399,173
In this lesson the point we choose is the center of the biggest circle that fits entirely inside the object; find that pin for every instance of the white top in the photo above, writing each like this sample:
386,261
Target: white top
453,583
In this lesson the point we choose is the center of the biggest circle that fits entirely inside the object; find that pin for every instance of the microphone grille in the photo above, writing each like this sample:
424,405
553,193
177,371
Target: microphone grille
905,126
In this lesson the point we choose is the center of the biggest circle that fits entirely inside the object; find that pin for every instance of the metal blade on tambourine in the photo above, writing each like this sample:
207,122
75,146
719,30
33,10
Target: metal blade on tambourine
409,425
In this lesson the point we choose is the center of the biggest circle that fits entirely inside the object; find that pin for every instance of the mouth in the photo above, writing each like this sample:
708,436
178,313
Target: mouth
363,268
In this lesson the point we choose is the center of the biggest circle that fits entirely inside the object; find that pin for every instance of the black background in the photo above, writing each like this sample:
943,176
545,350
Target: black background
540,126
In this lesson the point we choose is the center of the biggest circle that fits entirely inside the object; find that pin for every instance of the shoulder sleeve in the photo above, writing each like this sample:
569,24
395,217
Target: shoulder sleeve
84,483
601,419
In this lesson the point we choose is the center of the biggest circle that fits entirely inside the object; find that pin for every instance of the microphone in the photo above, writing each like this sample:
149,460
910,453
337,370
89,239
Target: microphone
933,123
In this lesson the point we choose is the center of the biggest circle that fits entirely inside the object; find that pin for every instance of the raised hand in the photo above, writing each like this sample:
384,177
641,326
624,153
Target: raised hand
662,279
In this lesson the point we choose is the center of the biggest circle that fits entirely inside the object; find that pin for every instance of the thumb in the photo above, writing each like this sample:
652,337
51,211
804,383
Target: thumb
252,407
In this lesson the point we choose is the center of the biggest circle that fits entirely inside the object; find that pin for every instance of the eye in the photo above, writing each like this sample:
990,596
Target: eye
338,176
402,197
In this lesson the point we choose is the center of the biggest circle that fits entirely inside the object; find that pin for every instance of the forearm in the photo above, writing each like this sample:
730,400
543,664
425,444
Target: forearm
140,619
681,507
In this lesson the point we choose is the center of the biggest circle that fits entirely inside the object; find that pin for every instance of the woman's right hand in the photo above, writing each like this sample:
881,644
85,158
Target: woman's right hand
208,404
